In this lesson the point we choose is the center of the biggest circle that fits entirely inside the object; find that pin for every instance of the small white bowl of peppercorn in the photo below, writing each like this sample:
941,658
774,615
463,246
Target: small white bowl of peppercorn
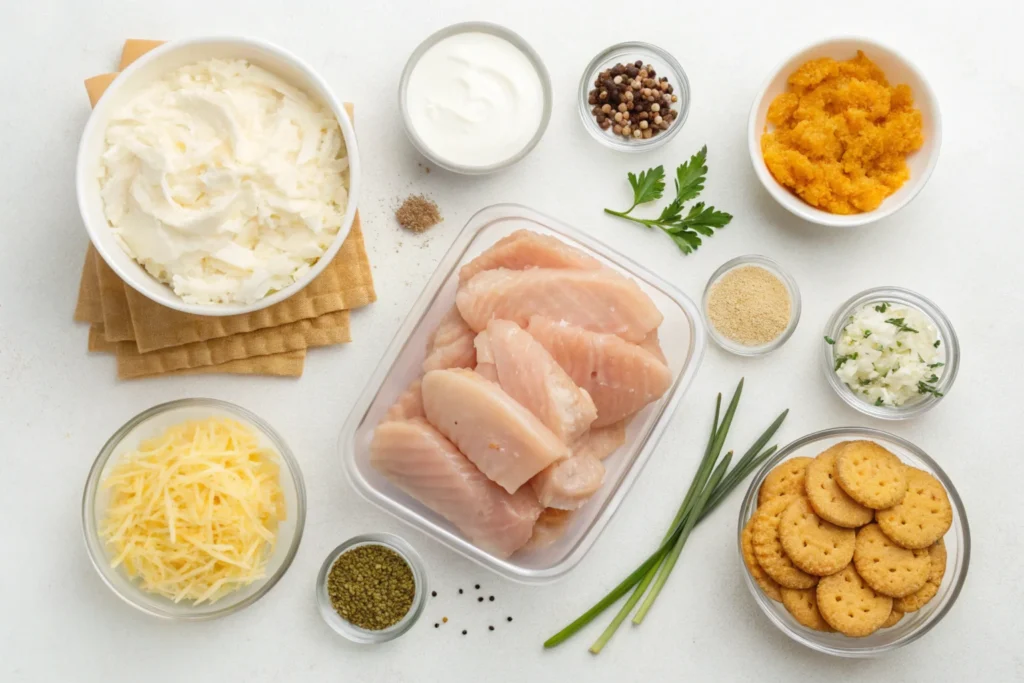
634,97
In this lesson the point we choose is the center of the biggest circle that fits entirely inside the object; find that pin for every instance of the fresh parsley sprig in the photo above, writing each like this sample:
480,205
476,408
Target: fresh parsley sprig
684,230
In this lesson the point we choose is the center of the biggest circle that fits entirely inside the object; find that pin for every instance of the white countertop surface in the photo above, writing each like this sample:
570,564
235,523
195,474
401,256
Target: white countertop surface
958,243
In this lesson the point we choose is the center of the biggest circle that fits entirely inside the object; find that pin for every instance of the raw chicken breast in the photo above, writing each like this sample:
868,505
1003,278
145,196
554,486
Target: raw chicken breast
504,439
551,526
485,357
451,344
408,405
620,377
419,460
568,484
528,373
525,249
600,442
652,344
596,300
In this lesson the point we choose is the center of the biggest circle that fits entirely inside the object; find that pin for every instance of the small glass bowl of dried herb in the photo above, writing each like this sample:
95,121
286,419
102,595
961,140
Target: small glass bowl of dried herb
751,306
371,588
634,97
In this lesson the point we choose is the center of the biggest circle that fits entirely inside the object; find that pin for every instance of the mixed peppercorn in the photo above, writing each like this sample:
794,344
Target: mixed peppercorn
632,101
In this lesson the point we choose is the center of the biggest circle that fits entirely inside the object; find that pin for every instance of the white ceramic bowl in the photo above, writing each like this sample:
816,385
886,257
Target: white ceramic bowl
897,70
145,70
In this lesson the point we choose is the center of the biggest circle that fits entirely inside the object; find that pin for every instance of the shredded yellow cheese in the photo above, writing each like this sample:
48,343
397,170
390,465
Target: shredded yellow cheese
193,513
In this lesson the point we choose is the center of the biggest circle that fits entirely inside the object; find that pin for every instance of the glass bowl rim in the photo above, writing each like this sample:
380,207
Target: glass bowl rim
354,633
94,545
475,27
905,296
959,520
794,297
655,141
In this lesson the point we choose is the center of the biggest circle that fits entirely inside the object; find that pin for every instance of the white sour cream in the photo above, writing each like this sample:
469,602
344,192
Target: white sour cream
474,99
223,181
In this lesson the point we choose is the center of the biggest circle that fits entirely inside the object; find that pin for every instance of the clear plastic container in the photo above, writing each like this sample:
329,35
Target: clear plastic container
913,625
682,337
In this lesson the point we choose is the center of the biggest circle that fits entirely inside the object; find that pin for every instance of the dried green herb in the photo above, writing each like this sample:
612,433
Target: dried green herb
371,587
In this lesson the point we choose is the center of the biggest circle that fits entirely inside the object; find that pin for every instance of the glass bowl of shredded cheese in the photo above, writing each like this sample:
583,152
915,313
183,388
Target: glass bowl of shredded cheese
890,353
193,509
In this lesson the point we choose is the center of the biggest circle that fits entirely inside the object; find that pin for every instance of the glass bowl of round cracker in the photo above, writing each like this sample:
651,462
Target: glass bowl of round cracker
854,541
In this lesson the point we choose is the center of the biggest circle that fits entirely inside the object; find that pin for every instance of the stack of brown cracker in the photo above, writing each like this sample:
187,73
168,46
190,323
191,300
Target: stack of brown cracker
149,339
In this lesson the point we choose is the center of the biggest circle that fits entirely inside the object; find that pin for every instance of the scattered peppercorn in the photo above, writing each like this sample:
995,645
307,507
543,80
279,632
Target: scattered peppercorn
433,594
490,628
444,620
460,591
633,101
480,599
510,618
371,587
463,631
436,625
491,598
478,586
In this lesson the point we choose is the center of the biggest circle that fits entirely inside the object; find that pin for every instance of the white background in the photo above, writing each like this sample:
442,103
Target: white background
958,243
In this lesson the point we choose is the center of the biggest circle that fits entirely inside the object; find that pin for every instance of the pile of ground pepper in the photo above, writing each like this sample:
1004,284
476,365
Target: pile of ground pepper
417,213
371,587
750,305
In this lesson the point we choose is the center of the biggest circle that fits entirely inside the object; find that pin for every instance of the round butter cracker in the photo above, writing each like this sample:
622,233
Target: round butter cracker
870,474
922,517
829,500
937,570
787,478
851,606
803,605
888,568
768,547
767,583
814,545
894,617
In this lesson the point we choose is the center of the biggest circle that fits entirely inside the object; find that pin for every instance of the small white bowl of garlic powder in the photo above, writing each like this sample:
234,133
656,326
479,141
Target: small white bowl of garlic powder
890,353
218,176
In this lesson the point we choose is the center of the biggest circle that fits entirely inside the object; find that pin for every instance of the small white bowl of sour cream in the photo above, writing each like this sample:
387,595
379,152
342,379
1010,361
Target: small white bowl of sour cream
150,68
475,98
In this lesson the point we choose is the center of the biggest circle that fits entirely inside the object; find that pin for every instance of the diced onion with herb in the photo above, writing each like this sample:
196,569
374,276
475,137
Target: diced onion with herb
889,354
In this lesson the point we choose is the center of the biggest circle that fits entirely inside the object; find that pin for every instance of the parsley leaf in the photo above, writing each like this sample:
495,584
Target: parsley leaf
925,388
829,340
900,325
881,308
690,176
935,365
879,401
937,342
650,185
684,230
842,359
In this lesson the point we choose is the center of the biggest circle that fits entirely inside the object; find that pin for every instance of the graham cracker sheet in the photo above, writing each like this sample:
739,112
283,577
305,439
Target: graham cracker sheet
328,329
117,321
89,308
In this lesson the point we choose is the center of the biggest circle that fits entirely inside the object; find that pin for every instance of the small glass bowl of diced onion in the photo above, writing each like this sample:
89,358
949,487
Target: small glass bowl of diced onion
890,353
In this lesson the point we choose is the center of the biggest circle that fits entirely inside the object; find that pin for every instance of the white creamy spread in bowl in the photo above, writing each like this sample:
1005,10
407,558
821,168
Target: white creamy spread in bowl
224,181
